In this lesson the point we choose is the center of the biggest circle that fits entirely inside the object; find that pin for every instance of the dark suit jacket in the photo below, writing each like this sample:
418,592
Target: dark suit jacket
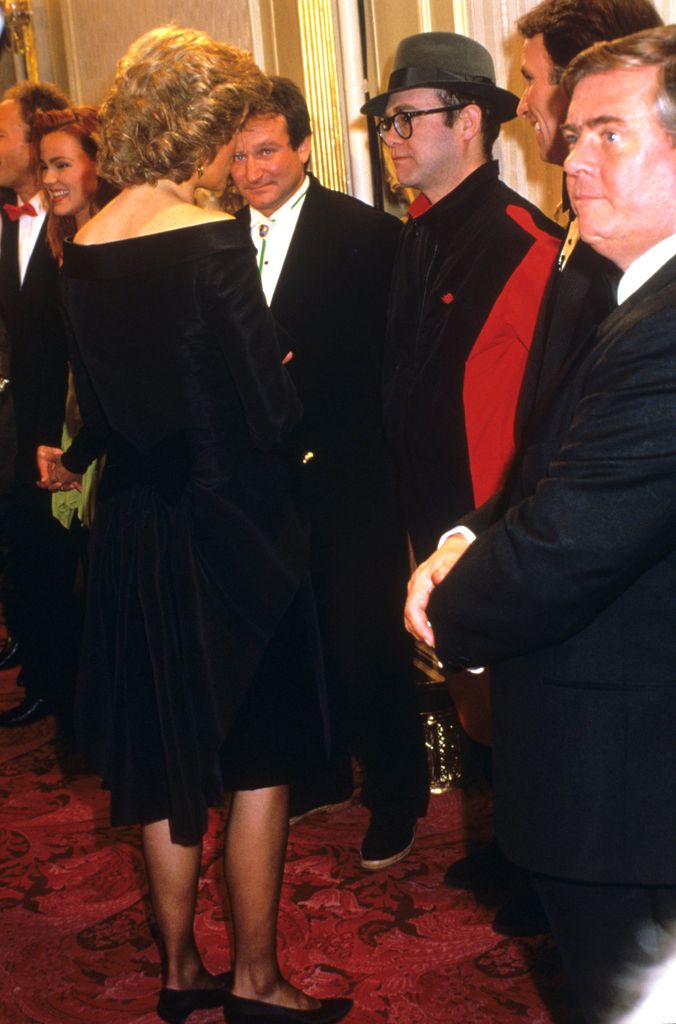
7,427
330,303
38,368
570,597
330,306
577,300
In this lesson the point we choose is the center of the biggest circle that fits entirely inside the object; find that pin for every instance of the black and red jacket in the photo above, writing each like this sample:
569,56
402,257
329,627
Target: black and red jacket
468,282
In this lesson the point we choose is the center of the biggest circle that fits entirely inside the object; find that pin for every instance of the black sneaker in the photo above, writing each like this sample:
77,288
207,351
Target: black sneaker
387,841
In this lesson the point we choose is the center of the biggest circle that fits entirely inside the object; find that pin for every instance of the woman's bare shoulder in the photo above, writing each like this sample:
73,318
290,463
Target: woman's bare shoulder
131,219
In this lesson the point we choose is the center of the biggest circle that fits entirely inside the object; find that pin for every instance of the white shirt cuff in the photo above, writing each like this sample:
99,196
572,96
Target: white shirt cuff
464,531
469,536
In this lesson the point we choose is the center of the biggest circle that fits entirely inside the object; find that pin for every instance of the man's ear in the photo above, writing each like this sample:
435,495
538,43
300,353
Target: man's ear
470,118
305,149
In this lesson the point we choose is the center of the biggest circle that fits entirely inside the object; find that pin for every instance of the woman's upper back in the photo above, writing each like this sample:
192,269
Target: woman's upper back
145,210
173,330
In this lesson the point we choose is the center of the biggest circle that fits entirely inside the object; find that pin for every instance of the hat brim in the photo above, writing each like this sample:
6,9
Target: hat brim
503,102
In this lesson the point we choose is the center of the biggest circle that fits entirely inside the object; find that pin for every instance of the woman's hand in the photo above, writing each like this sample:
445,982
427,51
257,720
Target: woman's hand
53,474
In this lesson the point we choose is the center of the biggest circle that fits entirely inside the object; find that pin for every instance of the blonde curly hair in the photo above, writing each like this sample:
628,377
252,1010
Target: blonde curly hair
178,96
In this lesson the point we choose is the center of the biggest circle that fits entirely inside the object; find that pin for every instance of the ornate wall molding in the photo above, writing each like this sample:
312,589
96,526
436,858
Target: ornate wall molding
323,76
21,38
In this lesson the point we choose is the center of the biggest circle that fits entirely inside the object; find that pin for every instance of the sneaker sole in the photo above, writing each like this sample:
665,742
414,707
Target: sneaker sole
386,862
342,805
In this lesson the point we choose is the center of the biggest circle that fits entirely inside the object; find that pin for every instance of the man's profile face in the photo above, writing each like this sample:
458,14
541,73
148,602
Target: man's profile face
17,164
621,167
431,160
543,104
265,168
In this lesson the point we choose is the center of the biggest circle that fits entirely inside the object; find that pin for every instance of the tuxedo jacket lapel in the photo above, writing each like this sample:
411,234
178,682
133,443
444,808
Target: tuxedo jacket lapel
9,271
39,266
577,301
301,253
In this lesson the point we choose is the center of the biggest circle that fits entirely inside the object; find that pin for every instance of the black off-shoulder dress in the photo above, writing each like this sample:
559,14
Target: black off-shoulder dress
200,667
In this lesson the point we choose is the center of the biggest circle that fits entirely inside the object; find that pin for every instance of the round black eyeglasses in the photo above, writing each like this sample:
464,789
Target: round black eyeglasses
402,120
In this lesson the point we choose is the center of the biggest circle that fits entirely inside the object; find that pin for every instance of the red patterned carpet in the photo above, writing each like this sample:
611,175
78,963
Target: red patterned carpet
76,945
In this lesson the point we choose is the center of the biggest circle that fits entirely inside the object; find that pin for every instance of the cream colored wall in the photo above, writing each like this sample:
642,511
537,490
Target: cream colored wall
96,34
279,45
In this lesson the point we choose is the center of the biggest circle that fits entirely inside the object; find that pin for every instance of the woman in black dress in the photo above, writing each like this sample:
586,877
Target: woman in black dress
197,603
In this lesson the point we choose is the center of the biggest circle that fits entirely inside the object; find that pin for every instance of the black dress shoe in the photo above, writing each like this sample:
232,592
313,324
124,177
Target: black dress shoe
175,1005
9,653
251,1011
30,710
522,915
483,869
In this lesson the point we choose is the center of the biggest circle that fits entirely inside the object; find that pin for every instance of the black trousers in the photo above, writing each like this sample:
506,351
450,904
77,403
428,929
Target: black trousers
613,940
43,610
359,570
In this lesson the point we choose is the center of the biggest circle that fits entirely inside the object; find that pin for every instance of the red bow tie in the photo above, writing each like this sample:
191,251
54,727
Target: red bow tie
14,212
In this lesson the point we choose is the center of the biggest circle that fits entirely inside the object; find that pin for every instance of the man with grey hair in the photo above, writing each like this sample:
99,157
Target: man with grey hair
580,294
567,590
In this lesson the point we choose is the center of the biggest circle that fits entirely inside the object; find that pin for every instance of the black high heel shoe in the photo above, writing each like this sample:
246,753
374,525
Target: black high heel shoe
251,1011
175,1005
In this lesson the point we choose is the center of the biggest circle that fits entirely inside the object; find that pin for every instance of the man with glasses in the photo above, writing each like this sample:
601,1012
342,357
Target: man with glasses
326,262
468,281
469,275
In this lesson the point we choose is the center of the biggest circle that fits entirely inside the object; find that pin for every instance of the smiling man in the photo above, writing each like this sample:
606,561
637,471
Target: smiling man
582,291
567,591
326,262
42,614
553,33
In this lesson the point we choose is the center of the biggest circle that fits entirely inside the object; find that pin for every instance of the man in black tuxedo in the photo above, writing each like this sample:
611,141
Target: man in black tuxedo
580,294
326,261
40,568
567,591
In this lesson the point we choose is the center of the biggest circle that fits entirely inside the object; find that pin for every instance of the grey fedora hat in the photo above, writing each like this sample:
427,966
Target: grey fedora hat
445,60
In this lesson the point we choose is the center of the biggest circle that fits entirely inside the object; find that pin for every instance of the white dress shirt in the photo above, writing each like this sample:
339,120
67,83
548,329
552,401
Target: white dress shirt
272,237
643,268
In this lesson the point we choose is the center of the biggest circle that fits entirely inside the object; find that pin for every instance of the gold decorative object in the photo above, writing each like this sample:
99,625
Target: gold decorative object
322,90
442,729
20,36
443,750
